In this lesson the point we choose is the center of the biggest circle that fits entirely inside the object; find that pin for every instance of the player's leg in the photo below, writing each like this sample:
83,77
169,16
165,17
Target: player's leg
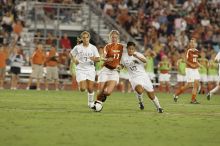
194,91
148,87
180,91
139,93
82,85
161,86
213,91
90,89
106,90
167,86
155,100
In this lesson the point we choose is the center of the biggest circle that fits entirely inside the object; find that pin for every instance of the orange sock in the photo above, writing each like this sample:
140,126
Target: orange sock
193,97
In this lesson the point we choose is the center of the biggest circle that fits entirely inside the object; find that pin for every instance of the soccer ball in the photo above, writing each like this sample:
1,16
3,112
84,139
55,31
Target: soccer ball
97,106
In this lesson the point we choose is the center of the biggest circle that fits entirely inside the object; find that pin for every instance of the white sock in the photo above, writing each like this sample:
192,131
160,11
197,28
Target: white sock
139,97
214,90
156,102
90,97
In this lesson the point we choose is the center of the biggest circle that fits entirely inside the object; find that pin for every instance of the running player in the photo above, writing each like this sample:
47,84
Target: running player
84,56
139,79
109,76
192,73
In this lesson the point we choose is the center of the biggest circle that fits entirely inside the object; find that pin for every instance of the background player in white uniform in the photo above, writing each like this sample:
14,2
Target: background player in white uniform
84,55
217,59
138,78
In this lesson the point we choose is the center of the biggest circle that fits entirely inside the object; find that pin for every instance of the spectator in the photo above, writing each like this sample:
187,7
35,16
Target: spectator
7,22
52,67
50,40
17,61
65,42
3,58
37,62
17,29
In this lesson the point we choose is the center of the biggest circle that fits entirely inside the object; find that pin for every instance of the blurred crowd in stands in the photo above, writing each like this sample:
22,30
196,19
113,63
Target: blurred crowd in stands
167,25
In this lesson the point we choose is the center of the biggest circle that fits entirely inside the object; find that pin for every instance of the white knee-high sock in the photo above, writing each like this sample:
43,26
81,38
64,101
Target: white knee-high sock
90,97
139,97
214,90
156,102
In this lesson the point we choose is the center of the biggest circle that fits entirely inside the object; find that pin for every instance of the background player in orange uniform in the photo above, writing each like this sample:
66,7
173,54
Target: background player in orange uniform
109,76
192,73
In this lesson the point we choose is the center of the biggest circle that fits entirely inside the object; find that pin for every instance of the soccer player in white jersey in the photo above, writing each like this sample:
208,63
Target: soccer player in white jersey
138,78
85,55
217,59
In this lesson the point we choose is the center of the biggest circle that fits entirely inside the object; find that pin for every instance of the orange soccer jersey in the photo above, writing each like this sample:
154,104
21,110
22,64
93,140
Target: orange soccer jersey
115,52
38,58
3,57
51,58
192,58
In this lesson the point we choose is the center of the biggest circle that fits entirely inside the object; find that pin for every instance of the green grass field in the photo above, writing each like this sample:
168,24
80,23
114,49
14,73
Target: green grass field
51,118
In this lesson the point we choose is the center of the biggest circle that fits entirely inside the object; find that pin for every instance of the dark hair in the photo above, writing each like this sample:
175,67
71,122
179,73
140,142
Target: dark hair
131,44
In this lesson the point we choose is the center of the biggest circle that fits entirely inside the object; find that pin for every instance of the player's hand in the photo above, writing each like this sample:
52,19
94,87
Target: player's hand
108,59
92,58
76,62
118,68
135,54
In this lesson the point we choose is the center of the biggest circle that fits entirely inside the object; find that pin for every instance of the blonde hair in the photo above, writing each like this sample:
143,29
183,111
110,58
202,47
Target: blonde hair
113,32
84,32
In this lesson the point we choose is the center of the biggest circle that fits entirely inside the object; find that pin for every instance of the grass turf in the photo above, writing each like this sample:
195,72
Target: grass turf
43,118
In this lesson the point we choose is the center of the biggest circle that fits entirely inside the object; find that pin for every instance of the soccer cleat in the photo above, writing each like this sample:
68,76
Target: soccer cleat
175,98
141,105
208,96
194,102
160,110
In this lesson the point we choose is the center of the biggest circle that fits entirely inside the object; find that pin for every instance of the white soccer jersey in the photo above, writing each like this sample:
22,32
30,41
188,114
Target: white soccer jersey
135,66
83,55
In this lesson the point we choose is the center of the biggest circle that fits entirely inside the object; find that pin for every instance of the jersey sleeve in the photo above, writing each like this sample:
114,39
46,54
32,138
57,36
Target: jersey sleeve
141,56
95,51
73,52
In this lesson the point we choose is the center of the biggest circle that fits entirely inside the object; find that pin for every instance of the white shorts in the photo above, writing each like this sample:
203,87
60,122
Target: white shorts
98,72
52,73
181,78
213,78
192,75
203,78
164,77
144,81
151,75
85,75
124,75
108,75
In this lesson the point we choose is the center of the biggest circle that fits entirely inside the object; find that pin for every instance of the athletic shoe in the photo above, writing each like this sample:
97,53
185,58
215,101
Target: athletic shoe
160,110
141,105
175,98
194,102
208,96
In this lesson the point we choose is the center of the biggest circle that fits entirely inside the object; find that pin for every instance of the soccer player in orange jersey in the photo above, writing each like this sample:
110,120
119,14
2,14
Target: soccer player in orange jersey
109,76
192,73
